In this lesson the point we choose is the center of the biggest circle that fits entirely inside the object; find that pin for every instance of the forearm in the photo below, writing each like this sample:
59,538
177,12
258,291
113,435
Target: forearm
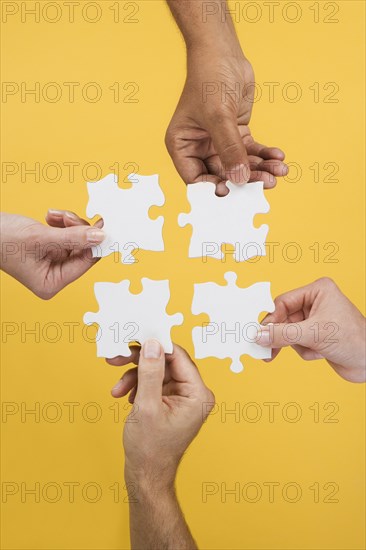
9,246
204,25
156,520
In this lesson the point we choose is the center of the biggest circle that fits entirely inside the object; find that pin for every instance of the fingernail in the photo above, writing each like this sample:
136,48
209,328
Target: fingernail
264,337
238,174
151,349
95,235
58,213
71,215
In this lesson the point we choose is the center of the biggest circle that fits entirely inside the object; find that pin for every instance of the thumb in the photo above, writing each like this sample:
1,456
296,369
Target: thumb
150,373
74,237
280,335
229,146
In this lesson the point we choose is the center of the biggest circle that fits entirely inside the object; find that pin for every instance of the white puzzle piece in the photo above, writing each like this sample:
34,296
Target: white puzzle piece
233,327
124,317
125,214
226,220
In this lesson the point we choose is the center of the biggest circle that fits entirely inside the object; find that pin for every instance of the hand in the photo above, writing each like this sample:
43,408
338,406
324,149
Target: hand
171,403
47,258
318,321
209,138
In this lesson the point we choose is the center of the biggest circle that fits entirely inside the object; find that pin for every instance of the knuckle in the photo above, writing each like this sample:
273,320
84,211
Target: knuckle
207,397
44,293
149,371
210,397
33,233
326,282
71,234
145,411
149,376
171,139
167,139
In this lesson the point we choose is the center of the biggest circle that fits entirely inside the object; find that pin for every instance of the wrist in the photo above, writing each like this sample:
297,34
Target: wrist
142,490
360,355
5,237
150,481
223,44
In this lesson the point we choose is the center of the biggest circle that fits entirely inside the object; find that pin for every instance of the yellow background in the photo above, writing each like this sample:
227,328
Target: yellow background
151,53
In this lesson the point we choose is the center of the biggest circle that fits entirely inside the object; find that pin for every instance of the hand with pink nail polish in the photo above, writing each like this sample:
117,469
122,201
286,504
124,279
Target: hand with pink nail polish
170,404
46,258
319,322
208,137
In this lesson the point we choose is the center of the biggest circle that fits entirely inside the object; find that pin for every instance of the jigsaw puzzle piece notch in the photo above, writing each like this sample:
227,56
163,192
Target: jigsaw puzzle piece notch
236,366
125,213
124,317
229,220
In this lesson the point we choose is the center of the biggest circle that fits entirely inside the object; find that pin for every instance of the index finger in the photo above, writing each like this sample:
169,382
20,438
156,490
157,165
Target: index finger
182,367
298,301
121,361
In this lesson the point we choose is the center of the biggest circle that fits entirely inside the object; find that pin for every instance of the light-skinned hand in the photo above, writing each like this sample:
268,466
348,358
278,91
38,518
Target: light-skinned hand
319,322
46,258
171,402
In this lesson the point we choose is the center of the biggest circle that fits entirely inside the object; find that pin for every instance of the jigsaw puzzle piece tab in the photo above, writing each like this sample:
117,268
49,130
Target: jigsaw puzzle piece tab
125,213
124,317
233,327
225,220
